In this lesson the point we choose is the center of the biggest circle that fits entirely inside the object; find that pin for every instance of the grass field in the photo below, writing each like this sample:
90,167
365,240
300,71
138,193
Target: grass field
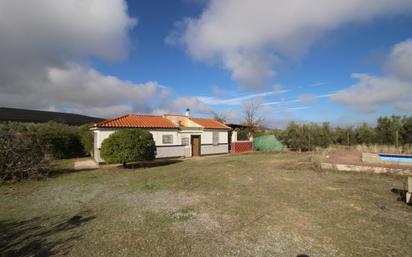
242,205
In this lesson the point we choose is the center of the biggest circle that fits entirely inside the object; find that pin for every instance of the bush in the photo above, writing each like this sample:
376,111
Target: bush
22,155
128,145
86,139
62,141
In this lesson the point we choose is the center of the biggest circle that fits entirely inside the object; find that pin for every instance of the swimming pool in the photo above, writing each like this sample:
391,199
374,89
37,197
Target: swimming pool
395,158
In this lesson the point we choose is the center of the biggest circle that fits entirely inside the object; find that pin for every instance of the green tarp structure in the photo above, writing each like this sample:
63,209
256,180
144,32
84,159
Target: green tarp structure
267,143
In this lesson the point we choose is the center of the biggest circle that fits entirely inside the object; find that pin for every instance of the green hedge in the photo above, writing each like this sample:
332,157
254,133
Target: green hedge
128,145
22,154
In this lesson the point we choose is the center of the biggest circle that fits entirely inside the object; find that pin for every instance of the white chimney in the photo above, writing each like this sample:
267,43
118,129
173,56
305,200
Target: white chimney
187,113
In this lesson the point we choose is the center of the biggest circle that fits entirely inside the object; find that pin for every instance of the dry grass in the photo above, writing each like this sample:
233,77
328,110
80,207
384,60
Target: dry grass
243,205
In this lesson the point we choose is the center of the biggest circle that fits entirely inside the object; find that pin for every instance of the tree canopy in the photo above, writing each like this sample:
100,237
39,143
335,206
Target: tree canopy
393,130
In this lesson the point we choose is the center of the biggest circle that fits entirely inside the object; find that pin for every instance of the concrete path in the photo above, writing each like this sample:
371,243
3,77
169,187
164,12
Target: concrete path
85,165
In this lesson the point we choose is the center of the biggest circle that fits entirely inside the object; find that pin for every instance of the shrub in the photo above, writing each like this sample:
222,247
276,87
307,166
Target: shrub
61,140
86,139
128,145
22,155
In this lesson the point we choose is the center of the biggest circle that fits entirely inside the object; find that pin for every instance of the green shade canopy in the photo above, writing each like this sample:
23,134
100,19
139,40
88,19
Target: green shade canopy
267,143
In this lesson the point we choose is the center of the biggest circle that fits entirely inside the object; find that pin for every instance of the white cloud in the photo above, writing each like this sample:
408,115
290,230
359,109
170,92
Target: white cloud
281,102
233,115
395,87
371,91
318,84
405,105
311,99
248,37
303,99
266,109
218,91
195,105
399,62
84,90
240,99
43,45
49,30
307,99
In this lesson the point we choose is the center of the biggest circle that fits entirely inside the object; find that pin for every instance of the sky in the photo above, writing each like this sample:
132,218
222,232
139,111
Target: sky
344,62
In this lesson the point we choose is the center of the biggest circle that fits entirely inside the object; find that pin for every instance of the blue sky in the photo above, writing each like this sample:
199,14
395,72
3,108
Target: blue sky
163,56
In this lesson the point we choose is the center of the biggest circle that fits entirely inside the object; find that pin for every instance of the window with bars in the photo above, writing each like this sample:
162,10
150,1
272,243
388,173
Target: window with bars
167,139
185,141
215,138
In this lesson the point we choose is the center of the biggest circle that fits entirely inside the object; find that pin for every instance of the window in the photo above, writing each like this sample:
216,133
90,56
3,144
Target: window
185,141
215,138
167,139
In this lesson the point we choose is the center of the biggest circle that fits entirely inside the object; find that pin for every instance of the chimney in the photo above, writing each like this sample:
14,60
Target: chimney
187,113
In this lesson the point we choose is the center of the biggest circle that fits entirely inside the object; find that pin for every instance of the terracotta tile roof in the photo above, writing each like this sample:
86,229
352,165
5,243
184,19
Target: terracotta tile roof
137,121
209,123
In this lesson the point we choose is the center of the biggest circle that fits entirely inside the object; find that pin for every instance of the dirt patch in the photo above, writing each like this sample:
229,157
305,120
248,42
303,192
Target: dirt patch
85,165
344,157
353,157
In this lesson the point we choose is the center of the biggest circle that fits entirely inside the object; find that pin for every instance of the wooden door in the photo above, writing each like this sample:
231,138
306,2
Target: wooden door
195,145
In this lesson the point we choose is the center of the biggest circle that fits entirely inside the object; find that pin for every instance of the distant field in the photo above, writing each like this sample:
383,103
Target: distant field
242,205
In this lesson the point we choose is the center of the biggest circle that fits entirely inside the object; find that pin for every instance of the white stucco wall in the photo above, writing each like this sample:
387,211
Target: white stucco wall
101,134
214,149
207,137
169,150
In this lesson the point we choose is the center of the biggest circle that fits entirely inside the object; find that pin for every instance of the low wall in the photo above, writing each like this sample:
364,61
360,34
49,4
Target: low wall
242,146
214,149
170,151
358,168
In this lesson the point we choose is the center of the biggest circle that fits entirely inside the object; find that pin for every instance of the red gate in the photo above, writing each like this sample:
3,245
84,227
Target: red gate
242,146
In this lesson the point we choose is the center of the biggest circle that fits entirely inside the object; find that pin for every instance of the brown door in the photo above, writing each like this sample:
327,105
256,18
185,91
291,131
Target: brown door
195,145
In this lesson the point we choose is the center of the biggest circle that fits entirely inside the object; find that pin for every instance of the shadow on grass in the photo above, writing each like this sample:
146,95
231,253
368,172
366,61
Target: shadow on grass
150,164
31,238
55,172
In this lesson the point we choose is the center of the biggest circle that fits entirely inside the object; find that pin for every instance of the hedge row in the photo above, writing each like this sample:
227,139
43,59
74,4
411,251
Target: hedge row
26,149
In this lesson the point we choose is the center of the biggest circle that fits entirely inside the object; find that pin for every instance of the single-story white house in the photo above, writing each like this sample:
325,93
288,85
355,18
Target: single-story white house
174,135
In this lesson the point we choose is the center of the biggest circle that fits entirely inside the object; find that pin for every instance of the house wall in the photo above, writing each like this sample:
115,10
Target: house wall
207,146
176,149
163,150
214,149
170,151
207,137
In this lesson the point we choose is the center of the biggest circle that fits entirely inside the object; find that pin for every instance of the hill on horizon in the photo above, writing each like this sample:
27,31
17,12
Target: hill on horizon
36,116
